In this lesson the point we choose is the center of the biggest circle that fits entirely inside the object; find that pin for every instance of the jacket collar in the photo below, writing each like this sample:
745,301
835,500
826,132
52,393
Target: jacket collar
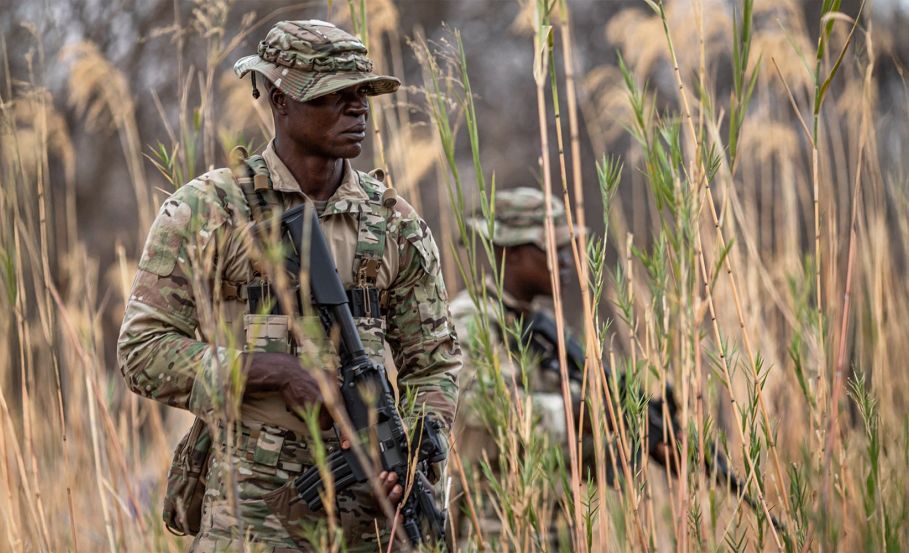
349,196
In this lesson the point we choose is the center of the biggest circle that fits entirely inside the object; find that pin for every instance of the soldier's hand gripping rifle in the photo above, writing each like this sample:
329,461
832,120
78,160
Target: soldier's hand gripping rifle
541,336
376,418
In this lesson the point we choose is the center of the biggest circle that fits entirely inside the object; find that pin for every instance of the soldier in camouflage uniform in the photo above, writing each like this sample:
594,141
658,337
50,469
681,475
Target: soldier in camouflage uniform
519,238
197,266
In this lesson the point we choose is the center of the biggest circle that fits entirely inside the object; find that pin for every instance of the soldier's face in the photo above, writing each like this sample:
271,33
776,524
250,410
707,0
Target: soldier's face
333,125
530,261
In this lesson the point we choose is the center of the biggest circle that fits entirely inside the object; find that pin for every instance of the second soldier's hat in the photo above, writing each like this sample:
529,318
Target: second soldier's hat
520,216
312,58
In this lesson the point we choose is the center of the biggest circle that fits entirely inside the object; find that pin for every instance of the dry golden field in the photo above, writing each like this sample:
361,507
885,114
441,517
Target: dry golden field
749,241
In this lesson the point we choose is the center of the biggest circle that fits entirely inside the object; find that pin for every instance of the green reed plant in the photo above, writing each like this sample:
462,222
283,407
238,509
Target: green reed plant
675,301
517,481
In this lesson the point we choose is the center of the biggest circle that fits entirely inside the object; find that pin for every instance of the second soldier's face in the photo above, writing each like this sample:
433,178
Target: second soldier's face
534,267
563,258
333,125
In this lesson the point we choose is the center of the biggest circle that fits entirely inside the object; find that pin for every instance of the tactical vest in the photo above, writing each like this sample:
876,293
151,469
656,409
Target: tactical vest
269,331
186,477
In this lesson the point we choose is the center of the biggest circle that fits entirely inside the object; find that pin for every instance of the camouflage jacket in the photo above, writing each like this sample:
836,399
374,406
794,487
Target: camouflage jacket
544,387
169,348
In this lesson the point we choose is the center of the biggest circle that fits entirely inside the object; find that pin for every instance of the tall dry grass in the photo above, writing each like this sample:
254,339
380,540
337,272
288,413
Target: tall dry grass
753,259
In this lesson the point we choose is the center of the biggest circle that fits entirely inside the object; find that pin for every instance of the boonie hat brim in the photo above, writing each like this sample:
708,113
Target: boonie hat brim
305,86
509,236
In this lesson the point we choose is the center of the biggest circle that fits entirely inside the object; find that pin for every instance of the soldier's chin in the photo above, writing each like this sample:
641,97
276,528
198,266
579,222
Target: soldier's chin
352,150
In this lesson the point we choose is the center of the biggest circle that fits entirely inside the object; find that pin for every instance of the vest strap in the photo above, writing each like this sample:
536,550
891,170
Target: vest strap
366,300
372,228
256,184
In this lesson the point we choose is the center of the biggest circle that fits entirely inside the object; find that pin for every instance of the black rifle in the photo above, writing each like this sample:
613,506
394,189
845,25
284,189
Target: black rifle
362,378
540,334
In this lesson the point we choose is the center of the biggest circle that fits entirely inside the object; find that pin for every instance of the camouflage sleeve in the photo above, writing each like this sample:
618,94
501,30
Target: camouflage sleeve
157,351
484,361
420,331
471,323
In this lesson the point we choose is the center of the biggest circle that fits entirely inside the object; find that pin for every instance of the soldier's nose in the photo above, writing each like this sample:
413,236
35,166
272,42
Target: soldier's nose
357,105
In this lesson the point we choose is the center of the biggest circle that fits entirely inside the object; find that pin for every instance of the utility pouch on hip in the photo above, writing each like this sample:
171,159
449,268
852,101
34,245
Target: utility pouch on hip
186,481
267,333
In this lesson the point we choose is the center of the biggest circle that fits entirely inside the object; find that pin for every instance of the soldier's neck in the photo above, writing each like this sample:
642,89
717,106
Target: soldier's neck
318,176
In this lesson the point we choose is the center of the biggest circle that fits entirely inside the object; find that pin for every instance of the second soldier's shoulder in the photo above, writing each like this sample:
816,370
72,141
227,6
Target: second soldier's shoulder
464,308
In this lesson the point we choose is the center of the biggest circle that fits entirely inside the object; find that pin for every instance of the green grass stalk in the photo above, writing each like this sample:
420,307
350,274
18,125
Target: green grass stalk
699,173
542,53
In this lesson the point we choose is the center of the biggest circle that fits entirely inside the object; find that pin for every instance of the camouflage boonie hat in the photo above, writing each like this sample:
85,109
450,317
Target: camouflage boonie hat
520,214
312,58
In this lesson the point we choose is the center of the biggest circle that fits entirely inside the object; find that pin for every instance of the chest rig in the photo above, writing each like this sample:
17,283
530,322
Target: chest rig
266,323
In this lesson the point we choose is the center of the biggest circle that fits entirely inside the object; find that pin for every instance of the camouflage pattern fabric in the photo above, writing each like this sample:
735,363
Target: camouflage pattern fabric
475,440
519,219
308,59
263,463
520,214
181,334
544,386
186,480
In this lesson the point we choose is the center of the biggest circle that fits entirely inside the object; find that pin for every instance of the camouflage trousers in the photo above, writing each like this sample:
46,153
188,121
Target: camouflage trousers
262,465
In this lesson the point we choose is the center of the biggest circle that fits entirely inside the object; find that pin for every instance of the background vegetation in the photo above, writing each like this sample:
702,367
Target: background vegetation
739,166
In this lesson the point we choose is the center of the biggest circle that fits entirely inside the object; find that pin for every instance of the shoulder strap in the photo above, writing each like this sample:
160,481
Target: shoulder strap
253,178
252,175
372,228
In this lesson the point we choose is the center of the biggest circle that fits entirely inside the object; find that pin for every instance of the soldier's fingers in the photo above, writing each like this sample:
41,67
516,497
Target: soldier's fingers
395,495
388,481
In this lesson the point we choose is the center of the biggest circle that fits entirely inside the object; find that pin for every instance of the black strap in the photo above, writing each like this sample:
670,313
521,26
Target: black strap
365,302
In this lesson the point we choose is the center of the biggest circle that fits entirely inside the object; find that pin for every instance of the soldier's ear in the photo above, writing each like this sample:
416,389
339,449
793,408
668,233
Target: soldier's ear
278,100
